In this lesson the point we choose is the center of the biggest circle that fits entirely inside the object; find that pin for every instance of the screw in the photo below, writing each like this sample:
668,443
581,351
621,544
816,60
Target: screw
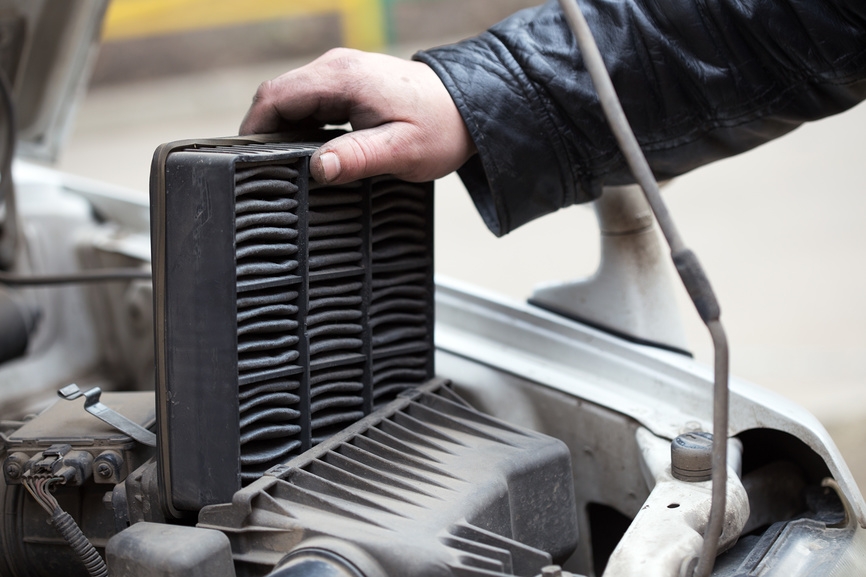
104,470
13,470
691,457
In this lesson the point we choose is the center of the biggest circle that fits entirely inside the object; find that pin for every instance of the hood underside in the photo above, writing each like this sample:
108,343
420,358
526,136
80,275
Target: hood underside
47,50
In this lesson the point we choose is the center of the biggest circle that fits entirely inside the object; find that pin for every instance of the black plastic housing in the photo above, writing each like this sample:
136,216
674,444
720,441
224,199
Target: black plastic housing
426,486
284,311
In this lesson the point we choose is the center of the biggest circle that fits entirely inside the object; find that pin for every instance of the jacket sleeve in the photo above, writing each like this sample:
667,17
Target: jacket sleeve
699,80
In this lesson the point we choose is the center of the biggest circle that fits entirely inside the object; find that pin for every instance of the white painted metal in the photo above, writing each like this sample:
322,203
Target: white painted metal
665,392
666,535
631,293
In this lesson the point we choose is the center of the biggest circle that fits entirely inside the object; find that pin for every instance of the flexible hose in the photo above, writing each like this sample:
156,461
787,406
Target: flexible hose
696,282
71,532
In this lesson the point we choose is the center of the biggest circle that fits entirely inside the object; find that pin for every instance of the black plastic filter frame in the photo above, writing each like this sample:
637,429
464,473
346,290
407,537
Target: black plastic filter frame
284,311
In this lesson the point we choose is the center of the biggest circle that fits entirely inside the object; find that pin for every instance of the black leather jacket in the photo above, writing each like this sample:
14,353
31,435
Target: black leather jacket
699,80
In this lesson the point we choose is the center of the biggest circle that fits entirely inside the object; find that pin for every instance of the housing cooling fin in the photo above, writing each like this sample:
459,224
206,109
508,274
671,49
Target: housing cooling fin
284,310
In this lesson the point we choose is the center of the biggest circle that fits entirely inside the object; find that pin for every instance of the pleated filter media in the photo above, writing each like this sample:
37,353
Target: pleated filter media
284,311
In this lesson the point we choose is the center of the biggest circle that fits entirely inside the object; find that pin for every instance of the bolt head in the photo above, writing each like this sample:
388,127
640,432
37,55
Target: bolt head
13,470
104,470
692,457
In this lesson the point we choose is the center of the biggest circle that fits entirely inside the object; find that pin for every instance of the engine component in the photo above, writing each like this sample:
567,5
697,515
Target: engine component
816,540
425,486
65,436
160,550
283,311
79,458
665,538
107,415
78,542
692,456
59,462
40,487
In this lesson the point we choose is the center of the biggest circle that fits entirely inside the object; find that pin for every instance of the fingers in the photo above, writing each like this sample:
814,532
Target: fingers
364,153
320,91
401,149
405,122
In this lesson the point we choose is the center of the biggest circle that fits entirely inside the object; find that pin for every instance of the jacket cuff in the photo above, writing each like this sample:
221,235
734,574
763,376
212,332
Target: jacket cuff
517,175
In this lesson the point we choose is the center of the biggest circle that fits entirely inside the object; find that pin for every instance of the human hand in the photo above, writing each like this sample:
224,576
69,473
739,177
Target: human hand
404,121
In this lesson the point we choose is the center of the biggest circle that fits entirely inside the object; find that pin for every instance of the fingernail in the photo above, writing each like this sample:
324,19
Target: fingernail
330,166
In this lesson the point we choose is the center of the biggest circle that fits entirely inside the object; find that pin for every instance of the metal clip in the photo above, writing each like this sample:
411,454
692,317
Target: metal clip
107,415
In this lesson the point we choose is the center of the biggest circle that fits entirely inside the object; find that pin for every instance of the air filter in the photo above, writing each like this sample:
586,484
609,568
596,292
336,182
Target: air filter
284,310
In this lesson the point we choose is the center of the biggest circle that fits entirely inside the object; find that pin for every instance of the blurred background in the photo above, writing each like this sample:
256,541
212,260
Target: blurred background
780,229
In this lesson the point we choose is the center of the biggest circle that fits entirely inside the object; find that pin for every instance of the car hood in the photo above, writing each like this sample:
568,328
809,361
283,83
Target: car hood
47,50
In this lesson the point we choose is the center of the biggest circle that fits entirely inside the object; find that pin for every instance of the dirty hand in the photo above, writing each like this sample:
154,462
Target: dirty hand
404,121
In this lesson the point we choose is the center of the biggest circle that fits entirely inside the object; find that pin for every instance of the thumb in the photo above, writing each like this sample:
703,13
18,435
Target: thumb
362,154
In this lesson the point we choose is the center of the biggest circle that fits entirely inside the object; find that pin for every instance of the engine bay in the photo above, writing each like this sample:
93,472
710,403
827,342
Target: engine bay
240,377
606,408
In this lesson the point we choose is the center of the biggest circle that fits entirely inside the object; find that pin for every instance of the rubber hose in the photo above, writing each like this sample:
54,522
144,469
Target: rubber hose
71,532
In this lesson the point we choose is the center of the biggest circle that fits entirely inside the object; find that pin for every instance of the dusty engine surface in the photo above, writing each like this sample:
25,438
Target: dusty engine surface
424,486
68,455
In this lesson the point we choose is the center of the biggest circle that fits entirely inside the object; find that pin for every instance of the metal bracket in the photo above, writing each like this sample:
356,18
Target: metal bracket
631,295
108,415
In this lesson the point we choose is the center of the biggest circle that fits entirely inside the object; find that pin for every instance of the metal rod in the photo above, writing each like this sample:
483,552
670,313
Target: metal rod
713,532
687,265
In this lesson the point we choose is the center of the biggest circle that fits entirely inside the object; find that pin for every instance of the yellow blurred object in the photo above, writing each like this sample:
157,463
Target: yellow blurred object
363,21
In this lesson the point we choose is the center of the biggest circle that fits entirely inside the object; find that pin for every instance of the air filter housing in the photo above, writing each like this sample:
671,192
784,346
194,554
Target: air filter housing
426,486
284,310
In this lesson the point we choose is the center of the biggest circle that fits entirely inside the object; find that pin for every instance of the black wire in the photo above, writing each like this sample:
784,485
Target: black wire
86,276
78,541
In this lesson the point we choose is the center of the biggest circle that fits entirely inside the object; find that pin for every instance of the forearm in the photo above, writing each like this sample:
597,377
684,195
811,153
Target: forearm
698,80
